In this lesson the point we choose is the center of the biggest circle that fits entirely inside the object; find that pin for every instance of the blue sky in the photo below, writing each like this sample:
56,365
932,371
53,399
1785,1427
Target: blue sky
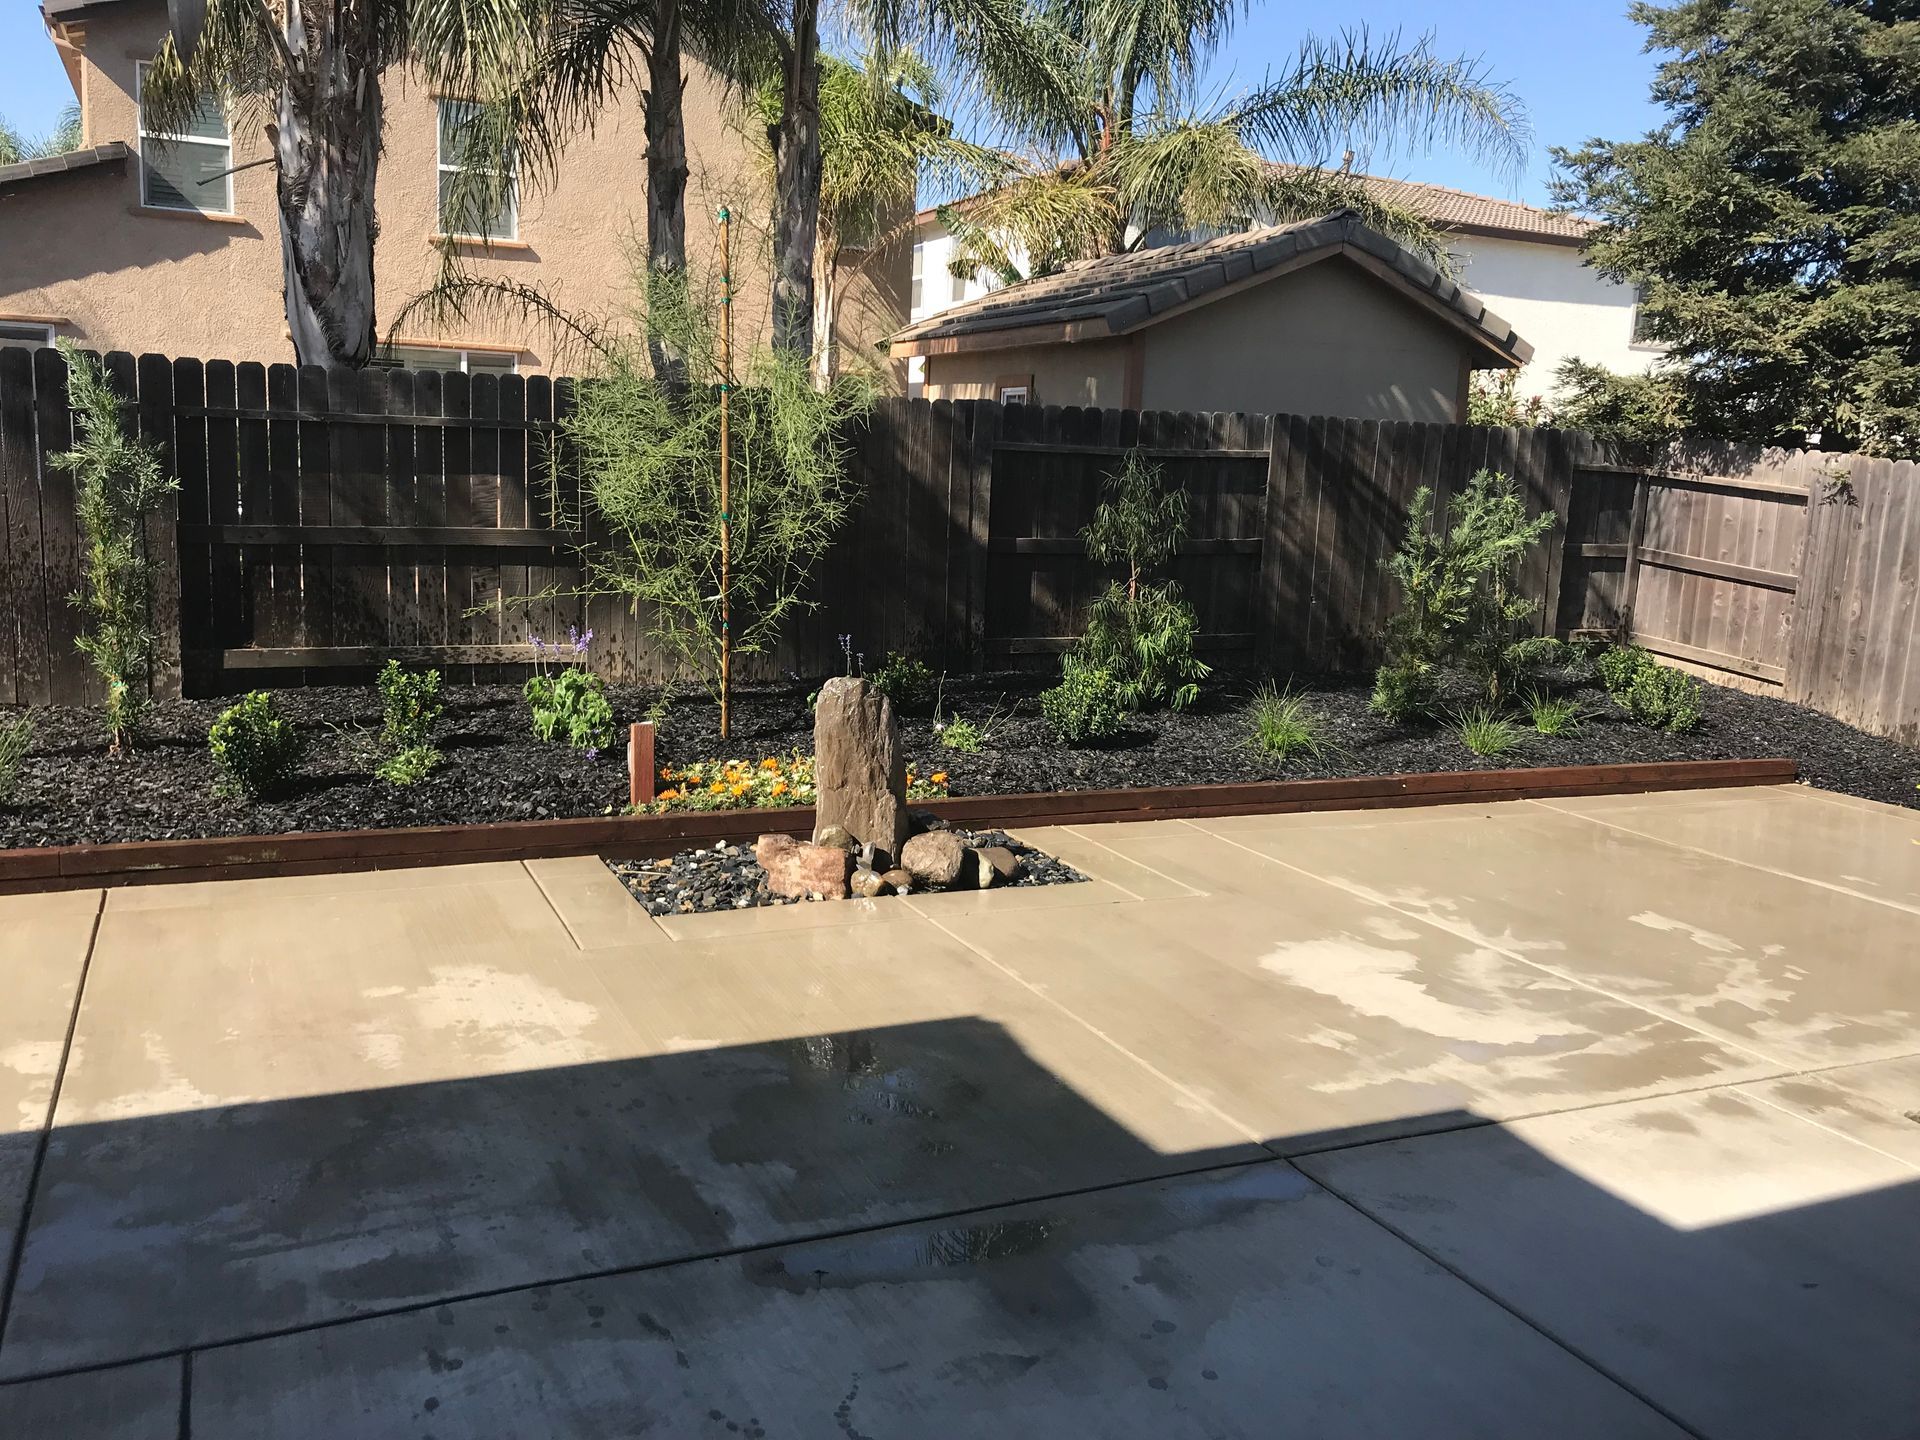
1576,64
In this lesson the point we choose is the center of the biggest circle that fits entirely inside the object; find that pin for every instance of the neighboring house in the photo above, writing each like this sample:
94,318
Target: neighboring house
1323,317
1525,262
171,243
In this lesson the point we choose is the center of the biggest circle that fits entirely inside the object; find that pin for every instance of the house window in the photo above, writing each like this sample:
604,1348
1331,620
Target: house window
1014,390
1642,328
190,169
448,357
24,334
919,278
959,287
455,208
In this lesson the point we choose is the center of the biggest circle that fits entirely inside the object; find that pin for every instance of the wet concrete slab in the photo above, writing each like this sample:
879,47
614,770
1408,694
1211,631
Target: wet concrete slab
130,1402
1856,847
1877,1104
593,905
1797,973
43,950
1750,1272
1247,1302
1314,1018
274,1117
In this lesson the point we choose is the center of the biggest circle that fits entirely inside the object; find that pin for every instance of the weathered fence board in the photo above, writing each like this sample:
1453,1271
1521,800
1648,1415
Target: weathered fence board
325,523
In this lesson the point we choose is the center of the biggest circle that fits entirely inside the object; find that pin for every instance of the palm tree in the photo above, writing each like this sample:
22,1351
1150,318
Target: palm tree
310,73
881,138
1103,95
67,135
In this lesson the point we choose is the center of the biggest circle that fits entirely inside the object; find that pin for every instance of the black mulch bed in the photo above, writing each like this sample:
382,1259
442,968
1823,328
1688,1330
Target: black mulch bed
726,876
70,792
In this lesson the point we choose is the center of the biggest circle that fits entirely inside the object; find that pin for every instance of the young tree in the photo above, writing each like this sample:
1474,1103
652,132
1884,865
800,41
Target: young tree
1772,218
118,482
650,455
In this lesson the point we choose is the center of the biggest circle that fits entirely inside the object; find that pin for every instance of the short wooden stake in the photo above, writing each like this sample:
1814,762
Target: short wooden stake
640,771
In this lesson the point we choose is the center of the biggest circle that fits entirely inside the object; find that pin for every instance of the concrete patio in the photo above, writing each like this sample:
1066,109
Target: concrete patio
1558,1118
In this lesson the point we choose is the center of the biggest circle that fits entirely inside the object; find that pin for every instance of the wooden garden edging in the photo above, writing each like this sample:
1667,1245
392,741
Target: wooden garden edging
80,867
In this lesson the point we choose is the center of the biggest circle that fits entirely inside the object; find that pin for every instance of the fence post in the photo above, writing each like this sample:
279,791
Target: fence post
640,771
1636,536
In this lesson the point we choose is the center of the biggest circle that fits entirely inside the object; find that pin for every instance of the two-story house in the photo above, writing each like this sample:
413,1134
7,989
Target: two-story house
170,243
1525,262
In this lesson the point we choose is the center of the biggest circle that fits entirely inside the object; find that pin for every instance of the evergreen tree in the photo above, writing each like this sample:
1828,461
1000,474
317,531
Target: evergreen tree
1773,220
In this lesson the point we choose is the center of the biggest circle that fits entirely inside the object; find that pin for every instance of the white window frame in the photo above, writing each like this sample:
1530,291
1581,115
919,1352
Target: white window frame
459,356
45,336
442,166
147,202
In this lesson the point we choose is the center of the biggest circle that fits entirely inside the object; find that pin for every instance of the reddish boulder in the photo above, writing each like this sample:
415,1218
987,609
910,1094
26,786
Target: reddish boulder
796,869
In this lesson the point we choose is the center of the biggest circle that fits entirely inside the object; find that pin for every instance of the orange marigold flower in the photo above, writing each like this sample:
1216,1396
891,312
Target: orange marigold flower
939,777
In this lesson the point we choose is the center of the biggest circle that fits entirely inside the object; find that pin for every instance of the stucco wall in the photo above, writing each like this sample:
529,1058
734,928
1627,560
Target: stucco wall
1325,340
1091,373
81,247
1562,306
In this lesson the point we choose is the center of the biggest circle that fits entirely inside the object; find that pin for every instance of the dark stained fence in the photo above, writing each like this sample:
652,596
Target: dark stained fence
328,522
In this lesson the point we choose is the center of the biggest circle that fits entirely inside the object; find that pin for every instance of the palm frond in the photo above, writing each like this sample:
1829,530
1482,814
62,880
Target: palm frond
1374,95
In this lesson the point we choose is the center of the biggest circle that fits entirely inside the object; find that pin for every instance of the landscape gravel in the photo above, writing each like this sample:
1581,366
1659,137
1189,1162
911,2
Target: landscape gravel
70,791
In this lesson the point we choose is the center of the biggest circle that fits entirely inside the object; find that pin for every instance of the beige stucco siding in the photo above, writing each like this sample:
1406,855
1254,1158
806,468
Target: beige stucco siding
1090,373
1325,340
81,247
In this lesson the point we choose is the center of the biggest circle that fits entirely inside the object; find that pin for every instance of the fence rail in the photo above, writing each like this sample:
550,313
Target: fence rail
329,521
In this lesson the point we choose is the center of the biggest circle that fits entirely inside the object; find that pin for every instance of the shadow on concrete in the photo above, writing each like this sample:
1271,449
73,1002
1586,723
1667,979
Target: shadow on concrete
157,1235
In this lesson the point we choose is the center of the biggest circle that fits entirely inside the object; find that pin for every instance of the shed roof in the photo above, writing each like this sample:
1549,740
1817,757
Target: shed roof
110,153
1119,294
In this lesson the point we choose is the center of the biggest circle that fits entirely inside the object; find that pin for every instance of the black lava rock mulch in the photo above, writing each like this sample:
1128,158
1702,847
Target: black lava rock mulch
726,876
70,792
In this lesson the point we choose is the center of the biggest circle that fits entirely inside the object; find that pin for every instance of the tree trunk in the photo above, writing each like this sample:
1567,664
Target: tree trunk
796,185
327,144
666,169
826,296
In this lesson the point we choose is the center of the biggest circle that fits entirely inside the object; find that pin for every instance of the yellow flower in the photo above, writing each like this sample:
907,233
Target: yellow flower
779,787
769,764
716,788
939,777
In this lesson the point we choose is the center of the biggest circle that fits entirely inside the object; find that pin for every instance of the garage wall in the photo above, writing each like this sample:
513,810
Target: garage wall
1324,340
1092,373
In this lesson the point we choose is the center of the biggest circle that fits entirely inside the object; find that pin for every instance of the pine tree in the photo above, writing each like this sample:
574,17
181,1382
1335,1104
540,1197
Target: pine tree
1772,220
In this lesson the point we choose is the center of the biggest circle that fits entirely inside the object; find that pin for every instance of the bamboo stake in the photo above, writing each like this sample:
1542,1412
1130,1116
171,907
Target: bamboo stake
726,466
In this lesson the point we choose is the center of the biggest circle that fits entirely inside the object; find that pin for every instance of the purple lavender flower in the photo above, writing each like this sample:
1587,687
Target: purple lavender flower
592,754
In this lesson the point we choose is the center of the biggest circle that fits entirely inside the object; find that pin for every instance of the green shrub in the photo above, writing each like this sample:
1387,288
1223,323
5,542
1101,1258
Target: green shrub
1664,697
16,737
906,681
571,705
1620,666
962,735
1146,643
410,766
255,750
1084,706
1486,732
1284,725
1459,609
1141,634
1404,692
1553,714
410,707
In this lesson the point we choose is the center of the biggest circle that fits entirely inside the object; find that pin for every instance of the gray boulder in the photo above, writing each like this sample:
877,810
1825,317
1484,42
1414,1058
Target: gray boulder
860,768
934,858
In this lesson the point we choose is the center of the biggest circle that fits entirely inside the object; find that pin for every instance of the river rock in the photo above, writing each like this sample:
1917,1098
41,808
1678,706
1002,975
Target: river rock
997,865
869,885
860,768
836,836
797,870
898,880
936,857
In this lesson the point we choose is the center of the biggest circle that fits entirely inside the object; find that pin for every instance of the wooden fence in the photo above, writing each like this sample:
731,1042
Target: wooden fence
326,522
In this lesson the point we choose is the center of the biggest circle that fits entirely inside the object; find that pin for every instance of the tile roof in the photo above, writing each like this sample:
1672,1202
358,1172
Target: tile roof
1118,294
111,152
1448,209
